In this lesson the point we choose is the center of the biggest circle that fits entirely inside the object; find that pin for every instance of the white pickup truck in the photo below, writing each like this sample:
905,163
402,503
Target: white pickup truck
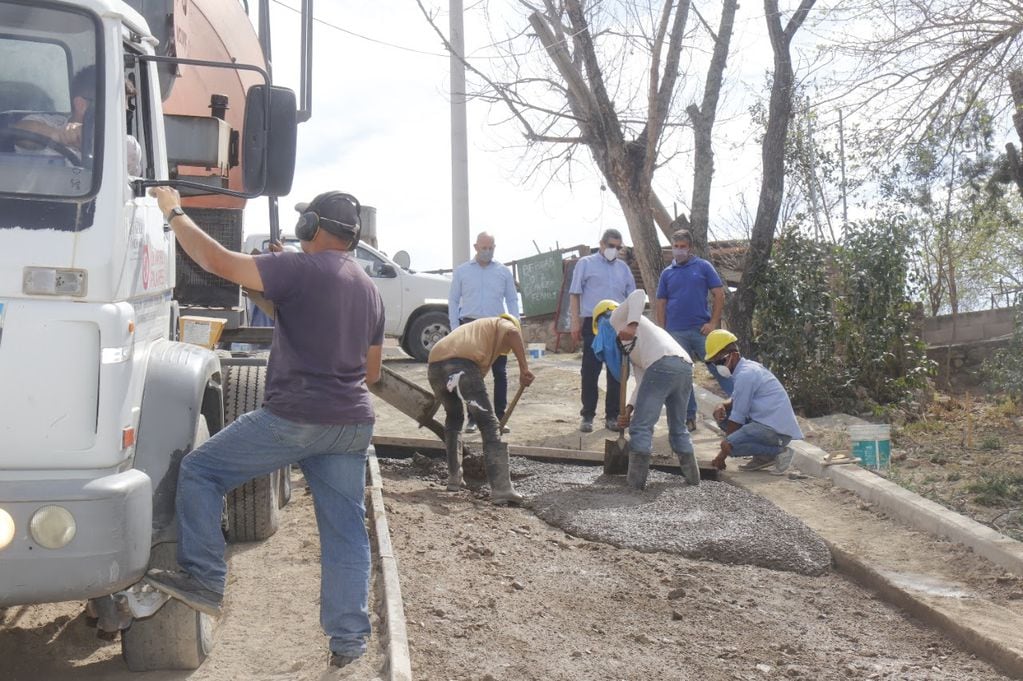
415,304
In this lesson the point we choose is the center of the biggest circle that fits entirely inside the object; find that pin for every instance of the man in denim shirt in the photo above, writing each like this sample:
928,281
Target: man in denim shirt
758,421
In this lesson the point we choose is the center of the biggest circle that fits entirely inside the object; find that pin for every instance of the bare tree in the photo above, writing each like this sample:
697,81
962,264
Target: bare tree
772,186
587,95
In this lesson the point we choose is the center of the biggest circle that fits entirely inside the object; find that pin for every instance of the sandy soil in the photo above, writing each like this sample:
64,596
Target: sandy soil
494,594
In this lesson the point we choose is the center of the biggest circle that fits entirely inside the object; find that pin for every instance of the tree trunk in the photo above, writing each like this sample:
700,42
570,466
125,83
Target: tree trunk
703,118
772,186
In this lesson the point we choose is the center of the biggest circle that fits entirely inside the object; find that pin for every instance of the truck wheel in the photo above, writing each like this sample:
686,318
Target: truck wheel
176,637
252,508
424,332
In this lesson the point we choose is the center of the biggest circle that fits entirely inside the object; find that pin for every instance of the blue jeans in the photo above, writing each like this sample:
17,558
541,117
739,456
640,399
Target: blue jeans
756,439
695,343
590,373
666,383
333,460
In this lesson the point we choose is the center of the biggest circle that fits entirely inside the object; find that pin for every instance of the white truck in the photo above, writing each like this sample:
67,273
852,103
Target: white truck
415,303
98,401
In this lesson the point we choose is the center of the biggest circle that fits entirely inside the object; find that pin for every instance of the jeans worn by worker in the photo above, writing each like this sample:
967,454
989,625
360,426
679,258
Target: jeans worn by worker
695,343
756,439
590,374
333,460
471,389
666,383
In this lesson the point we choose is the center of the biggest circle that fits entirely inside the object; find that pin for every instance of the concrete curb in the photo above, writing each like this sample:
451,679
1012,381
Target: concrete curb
399,663
900,503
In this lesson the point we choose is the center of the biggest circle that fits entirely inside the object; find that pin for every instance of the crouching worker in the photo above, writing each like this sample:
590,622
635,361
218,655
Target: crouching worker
664,378
458,363
758,421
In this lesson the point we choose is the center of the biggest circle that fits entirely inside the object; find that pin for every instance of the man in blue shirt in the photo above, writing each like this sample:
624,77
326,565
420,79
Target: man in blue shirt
758,421
682,310
484,287
601,276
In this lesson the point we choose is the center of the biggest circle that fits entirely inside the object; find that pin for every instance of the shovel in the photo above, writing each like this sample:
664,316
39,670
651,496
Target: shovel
616,452
511,408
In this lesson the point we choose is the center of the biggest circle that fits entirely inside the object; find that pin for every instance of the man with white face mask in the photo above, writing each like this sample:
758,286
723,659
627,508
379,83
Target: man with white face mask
758,421
681,307
484,287
597,277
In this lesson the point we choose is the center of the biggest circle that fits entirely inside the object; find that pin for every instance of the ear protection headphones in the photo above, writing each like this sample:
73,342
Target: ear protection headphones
310,221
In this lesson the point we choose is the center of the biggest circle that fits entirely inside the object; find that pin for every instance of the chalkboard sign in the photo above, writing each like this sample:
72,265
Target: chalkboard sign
563,324
540,281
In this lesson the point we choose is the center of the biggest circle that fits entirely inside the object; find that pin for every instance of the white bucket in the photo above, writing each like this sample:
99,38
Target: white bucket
872,445
536,350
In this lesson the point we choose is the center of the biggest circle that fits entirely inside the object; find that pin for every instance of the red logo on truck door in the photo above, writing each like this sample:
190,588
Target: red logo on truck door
154,268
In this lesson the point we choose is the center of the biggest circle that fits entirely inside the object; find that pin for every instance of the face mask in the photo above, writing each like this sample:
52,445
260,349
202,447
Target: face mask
610,254
485,254
724,371
680,254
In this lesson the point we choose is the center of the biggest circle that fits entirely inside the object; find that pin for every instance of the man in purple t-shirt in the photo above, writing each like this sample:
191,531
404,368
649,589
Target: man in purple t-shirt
327,346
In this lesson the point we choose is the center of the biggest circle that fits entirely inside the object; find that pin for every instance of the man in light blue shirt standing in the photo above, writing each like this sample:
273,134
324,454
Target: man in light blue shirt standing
484,287
758,421
597,277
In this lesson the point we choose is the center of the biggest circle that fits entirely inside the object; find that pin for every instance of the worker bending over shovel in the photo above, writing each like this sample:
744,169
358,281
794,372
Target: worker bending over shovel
758,421
458,363
664,378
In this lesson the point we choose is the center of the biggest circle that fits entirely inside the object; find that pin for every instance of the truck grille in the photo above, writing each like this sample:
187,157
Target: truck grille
194,285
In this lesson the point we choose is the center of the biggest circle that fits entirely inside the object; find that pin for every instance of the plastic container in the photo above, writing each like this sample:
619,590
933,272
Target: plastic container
536,350
872,445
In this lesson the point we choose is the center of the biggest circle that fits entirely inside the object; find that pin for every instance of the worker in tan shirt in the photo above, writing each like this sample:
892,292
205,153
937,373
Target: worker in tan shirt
457,365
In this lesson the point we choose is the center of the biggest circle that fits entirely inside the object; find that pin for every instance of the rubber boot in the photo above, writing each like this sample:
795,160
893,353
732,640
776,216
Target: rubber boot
495,458
639,468
453,445
690,469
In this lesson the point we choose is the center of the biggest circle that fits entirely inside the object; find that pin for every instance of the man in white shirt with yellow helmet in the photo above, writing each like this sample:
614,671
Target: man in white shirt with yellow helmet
664,378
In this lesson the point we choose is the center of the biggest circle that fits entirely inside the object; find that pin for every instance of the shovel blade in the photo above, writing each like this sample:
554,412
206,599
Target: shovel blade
616,456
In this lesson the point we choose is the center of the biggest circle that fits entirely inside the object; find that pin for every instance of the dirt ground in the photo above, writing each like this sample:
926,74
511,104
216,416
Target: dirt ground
496,593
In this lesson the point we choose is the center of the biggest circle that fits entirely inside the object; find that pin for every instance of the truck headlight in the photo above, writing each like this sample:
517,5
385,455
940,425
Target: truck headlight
52,527
6,529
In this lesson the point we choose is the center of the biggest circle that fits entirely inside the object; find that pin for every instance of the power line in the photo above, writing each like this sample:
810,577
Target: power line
359,35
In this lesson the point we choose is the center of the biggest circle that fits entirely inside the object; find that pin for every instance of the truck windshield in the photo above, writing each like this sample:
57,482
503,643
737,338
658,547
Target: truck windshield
49,96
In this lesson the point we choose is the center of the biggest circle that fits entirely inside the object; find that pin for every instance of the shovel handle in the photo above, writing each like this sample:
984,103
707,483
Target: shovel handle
623,393
511,407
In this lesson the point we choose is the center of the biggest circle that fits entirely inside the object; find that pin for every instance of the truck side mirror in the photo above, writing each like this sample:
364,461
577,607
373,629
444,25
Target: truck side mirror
268,157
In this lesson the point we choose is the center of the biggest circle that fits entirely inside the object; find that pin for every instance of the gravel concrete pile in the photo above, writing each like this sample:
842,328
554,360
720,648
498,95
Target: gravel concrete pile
714,521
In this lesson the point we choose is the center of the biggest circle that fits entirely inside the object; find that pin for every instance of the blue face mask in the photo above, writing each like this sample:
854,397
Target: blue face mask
485,254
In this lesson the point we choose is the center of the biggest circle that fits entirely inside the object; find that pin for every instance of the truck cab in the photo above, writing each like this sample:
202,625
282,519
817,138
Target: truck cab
415,303
98,400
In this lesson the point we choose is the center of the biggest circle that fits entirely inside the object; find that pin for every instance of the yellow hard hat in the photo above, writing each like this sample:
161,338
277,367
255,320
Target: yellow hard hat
600,308
718,340
513,319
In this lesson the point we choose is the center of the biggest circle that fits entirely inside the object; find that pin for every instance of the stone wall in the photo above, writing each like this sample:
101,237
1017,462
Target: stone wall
968,327
959,366
540,329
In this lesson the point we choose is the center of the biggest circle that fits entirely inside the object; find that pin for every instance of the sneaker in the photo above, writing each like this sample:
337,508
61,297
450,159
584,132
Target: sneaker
182,586
757,463
690,425
340,660
586,425
612,425
782,461
471,427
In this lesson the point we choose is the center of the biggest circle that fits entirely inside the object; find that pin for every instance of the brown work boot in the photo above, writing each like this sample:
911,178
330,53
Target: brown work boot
453,446
495,459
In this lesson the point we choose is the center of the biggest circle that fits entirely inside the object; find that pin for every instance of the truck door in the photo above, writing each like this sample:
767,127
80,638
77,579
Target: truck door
387,278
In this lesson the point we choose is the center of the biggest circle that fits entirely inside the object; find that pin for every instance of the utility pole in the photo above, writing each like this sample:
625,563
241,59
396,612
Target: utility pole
459,143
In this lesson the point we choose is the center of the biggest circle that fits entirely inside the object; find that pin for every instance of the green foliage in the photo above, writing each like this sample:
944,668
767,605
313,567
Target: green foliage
1004,369
834,323
997,489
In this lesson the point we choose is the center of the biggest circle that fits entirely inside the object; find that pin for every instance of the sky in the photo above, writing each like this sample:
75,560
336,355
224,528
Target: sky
380,129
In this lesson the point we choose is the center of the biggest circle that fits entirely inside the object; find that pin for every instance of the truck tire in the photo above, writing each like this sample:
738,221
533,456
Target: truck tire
176,637
424,332
252,508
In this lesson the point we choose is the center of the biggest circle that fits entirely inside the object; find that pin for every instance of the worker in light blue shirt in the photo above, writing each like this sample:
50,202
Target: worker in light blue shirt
484,287
758,421
597,277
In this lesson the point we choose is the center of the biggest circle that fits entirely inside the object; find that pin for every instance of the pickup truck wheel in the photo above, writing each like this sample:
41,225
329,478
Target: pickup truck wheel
424,332
252,508
176,637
